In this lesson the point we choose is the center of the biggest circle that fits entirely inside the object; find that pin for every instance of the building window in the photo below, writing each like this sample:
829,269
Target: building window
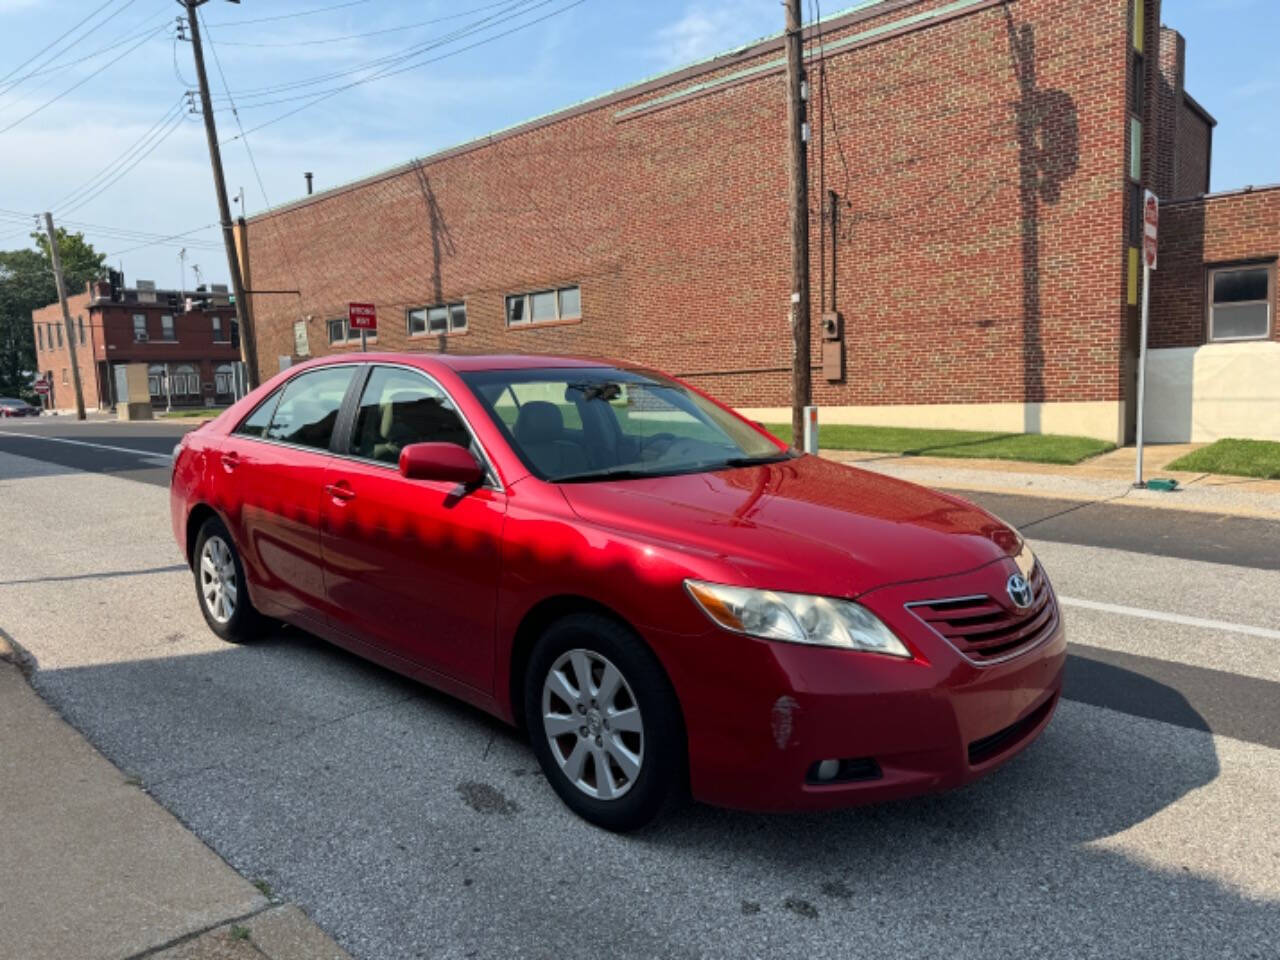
80,320
155,380
140,328
166,328
64,374
185,381
444,318
1138,99
1137,229
1240,302
1135,149
217,329
544,306
58,327
40,335
340,332
223,379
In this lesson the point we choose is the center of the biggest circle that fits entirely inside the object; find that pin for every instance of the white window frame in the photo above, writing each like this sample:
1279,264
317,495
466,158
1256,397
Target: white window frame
168,332
216,326
143,335
424,314
352,336
526,299
1269,270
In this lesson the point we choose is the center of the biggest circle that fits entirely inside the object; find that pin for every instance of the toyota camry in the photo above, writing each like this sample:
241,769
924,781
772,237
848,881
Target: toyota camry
665,597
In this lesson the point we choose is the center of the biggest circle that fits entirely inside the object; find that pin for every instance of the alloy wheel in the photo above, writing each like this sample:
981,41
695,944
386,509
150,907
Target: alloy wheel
218,581
593,724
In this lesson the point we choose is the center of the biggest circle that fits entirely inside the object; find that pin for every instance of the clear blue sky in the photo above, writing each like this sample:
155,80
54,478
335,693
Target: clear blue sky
576,52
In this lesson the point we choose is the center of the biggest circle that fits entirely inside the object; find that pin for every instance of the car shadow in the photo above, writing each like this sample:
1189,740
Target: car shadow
375,802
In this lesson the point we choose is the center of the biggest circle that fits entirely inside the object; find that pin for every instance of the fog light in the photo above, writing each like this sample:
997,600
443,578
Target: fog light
828,769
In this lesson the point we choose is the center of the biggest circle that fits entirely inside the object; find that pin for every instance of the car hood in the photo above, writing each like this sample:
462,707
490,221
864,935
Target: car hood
805,525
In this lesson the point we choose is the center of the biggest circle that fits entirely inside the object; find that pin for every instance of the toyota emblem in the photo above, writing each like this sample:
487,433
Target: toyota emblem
1020,591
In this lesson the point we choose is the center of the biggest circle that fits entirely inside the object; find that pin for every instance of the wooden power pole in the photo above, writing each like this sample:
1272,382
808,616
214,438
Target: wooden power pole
56,257
798,176
248,342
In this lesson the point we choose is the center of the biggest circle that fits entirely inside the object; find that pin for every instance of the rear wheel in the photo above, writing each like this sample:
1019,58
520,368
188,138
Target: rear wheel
604,722
220,586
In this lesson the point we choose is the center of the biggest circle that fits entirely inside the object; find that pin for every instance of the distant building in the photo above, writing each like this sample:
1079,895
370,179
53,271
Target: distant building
192,357
976,172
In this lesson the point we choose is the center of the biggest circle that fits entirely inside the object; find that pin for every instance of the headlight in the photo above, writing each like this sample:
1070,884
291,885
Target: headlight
795,618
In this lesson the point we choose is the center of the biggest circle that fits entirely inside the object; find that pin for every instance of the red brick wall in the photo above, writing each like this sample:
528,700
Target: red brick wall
979,251
1196,235
1195,139
57,360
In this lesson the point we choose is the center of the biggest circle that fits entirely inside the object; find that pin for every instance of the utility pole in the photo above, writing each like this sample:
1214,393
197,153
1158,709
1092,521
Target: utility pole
66,313
798,177
248,342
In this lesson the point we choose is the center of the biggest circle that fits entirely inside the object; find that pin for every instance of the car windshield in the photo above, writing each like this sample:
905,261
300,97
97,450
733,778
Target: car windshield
603,423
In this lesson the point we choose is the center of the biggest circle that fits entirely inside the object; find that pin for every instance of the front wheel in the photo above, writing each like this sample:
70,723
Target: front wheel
604,722
220,585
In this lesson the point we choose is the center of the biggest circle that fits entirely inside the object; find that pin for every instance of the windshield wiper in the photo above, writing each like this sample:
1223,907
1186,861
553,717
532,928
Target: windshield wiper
757,461
613,473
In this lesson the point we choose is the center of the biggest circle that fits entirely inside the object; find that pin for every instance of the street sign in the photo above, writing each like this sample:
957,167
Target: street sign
362,316
41,386
1150,227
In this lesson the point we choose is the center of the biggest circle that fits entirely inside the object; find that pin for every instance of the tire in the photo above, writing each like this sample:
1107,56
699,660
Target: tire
636,730
228,612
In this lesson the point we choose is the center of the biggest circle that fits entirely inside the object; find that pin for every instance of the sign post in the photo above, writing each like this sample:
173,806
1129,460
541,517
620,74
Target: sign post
1150,230
363,317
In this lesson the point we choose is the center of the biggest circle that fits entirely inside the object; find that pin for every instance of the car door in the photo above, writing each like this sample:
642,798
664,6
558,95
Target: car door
411,566
273,467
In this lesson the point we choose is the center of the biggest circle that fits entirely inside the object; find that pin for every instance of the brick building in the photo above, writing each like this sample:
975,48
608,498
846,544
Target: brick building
192,357
976,171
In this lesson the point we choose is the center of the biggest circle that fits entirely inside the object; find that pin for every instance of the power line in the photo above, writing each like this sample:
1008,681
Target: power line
46,68
174,124
509,6
55,42
110,167
213,48
165,240
389,73
286,16
80,83
372,33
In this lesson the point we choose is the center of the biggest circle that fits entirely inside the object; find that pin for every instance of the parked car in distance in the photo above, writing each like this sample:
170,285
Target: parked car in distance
13,407
664,596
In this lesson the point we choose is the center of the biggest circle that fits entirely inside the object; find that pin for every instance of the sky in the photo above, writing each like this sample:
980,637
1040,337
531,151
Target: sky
119,155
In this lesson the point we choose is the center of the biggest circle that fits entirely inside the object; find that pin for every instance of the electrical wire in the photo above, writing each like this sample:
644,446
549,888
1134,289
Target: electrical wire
161,138
217,61
50,66
122,158
285,16
319,98
372,33
58,40
80,83
166,241
406,53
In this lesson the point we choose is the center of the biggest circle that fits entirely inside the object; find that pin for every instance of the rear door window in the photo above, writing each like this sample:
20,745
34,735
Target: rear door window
309,407
256,423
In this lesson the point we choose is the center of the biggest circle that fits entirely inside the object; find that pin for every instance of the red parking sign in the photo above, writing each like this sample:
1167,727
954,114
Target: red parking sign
41,386
362,316
1150,228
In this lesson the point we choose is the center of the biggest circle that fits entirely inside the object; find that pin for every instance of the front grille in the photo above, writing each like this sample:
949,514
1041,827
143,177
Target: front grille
986,630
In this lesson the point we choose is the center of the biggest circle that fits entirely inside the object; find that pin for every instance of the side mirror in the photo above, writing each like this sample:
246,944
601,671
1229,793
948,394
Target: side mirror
440,461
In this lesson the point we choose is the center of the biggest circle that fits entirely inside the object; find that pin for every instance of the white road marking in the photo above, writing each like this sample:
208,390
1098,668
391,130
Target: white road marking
149,454
1170,617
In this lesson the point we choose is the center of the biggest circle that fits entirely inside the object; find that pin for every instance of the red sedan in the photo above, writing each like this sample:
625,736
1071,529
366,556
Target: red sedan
662,594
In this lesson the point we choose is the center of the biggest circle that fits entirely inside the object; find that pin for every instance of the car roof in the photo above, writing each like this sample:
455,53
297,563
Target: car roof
465,363
12,400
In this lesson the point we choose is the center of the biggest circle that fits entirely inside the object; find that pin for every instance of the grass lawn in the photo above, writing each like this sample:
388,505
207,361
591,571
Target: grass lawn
1240,458
1034,447
185,412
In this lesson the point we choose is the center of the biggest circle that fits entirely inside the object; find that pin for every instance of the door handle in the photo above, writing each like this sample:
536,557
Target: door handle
230,461
340,491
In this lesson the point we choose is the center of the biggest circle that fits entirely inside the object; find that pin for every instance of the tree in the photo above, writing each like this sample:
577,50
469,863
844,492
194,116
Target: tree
26,284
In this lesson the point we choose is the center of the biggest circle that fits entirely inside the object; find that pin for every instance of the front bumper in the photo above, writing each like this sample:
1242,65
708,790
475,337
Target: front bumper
760,715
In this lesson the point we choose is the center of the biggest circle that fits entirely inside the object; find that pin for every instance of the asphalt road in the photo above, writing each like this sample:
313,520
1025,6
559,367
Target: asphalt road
1143,823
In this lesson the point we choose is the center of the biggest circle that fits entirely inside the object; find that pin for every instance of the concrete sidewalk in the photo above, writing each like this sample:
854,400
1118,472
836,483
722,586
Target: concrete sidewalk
92,867
1108,477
